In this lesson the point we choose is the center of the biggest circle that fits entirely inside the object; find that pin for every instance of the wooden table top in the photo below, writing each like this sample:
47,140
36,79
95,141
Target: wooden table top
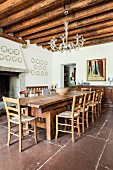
47,100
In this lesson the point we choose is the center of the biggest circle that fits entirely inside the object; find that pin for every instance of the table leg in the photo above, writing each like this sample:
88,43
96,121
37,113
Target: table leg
49,125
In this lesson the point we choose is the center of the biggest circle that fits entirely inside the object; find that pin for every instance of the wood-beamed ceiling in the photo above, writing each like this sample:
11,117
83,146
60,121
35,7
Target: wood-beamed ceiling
41,20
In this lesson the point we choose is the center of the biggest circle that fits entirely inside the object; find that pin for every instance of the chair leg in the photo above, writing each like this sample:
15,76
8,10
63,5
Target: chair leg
56,127
87,123
95,112
72,129
20,138
22,132
83,122
78,125
35,130
92,114
100,108
9,136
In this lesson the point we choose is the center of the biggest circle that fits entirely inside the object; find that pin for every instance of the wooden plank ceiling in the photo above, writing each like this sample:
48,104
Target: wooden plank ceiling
41,20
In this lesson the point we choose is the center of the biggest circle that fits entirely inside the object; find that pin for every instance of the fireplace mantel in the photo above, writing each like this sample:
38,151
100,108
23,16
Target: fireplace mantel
11,69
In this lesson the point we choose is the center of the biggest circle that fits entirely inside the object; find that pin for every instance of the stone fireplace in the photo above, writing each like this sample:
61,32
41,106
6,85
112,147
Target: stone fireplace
11,81
8,84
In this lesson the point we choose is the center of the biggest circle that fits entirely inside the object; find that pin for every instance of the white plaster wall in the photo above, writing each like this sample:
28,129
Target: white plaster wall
32,51
42,55
80,58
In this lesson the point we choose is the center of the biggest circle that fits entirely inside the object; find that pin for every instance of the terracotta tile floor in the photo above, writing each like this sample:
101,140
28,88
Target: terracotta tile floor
92,151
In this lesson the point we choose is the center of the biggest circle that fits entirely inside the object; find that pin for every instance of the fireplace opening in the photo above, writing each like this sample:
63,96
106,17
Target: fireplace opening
8,84
4,86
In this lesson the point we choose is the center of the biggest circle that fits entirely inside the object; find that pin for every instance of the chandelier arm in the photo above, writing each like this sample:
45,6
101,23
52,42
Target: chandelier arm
65,45
53,45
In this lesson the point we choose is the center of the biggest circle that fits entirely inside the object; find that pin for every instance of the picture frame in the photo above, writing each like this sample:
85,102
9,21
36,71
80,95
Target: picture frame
96,70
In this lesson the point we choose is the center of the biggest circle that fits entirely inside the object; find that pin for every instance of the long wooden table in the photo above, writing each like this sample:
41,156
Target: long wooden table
47,107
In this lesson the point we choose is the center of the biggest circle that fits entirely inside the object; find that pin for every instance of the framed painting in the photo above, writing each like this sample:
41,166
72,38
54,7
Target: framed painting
96,70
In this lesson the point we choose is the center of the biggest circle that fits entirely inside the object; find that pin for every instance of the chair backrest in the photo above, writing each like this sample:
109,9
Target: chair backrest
52,91
12,107
24,93
100,95
76,105
32,88
86,89
97,96
93,94
86,100
37,92
45,91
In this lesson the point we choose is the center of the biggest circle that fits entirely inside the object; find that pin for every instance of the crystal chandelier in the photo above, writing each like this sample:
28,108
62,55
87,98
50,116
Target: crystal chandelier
65,45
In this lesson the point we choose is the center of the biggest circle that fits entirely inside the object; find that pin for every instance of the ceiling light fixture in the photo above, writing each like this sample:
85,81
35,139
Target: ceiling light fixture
66,45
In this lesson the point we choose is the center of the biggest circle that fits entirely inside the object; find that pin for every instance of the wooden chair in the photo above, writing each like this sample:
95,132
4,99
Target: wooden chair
52,91
24,93
14,116
85,109
99,100
71,117
37,92
93,105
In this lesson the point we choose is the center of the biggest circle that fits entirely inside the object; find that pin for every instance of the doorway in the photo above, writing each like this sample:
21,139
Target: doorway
69,75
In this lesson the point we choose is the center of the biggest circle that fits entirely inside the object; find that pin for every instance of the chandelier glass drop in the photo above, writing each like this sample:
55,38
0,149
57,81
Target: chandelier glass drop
65,45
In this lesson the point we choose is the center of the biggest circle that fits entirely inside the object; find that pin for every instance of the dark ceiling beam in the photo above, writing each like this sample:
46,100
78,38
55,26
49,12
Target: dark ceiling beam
94,30
71,39
1,1
89,21
97,41
39,6
9,4
12,38
34,21
79,15
83,4
51,14
100,41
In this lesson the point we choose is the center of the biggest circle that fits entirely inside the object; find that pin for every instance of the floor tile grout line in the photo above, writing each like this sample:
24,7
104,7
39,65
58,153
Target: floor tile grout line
96,137
105,167
49,159
103,125
103,151
100,129
53,143
66,143
53,155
